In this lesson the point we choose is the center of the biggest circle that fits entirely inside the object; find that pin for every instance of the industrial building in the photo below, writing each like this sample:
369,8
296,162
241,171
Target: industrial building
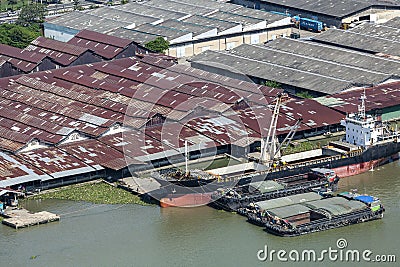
382,40
14,61
84,48
332,13
98,120
300,65
190,27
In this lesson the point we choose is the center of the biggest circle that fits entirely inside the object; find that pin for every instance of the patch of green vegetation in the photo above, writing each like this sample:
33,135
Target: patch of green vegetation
222,162
300,147
17,35
306,145
99,193
12,4
273,84
304,94
159,45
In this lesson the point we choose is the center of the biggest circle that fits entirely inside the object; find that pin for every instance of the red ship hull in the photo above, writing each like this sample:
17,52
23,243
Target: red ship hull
199,199
354,169
187,200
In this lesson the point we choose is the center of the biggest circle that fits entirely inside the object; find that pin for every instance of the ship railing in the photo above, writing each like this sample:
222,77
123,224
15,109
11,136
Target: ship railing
388,137
287,167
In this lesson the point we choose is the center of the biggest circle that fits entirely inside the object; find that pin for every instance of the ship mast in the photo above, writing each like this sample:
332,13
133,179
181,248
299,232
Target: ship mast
186,158
361,109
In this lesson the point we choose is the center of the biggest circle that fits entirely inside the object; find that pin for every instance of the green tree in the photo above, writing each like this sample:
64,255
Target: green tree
31,14
12,3
304,94
159,45
17,35
272,84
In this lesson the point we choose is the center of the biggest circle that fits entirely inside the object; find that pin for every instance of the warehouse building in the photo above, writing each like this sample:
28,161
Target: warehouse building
332,13
16,61
130,113
190,27
62,54
379,39
300,65
84,48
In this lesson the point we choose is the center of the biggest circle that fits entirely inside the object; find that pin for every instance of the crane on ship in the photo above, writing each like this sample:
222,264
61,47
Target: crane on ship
270,146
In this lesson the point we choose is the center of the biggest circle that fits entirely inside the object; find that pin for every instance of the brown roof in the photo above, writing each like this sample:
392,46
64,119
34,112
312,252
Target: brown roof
103,45
21,59
103,38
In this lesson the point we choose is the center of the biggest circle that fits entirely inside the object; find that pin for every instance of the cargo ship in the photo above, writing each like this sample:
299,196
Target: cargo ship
368,143
310,212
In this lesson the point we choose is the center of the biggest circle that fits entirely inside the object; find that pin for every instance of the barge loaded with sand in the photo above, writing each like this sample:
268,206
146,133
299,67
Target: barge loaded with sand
311,212
319,179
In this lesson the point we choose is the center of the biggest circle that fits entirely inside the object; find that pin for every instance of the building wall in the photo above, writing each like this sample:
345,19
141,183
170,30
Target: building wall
59,33
208,45
86,58
228,42
189,48
46,64
7,70
130,51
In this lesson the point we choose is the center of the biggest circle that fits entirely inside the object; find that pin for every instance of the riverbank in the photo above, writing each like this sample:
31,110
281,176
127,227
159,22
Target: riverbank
95,192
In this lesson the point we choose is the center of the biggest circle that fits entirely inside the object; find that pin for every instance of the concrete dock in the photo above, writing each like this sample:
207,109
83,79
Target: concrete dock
139,185
20,218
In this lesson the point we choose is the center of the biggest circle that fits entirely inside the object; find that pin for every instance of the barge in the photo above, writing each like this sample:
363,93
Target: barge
319,179
310,214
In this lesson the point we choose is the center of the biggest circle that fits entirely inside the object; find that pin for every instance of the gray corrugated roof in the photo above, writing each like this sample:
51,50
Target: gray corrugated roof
221,25
121,15
327,7
140,37
269,71
359,41
310,64
244,20
378,30
185,26
170,33
338,55
80,20
394,23
180,7
151,11
211,4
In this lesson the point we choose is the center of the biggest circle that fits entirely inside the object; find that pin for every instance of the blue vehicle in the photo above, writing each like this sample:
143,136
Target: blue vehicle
309,24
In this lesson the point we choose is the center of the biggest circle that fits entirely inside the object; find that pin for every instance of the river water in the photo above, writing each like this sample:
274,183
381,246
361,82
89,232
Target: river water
132,235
